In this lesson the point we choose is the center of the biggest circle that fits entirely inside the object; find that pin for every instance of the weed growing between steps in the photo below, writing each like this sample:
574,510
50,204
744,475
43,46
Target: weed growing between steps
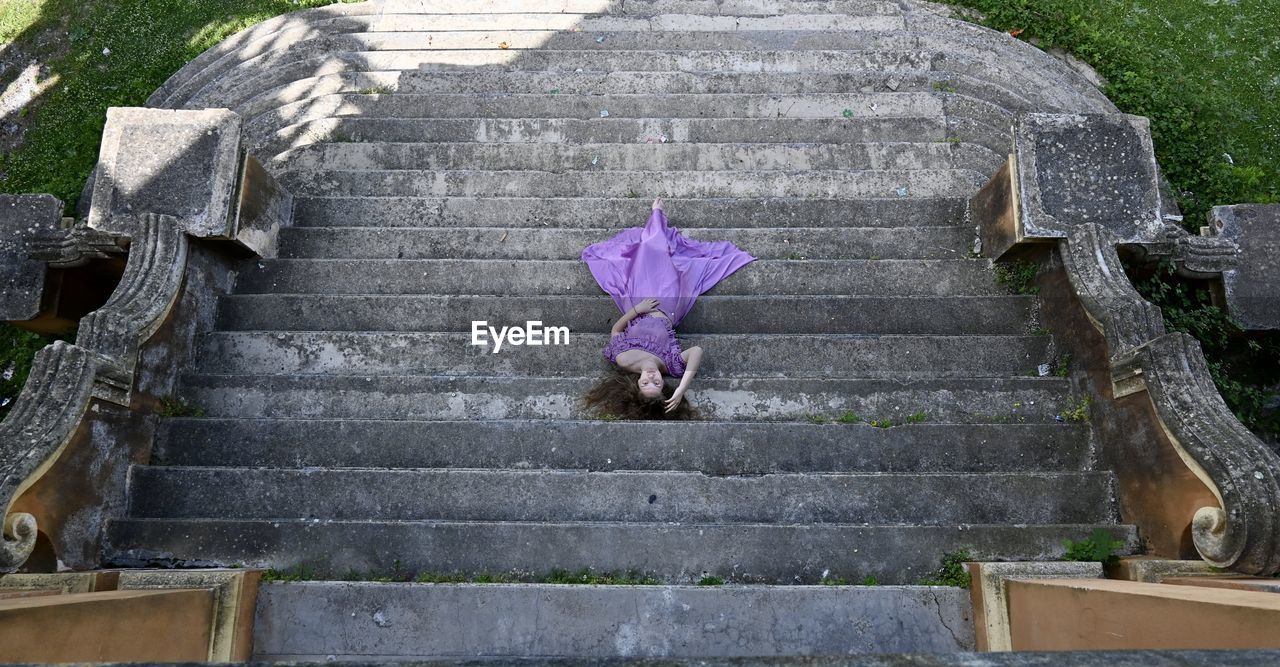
1101,546
102,54
952,571
1078,411
172,406
632,577
1019,276
398,574
851,417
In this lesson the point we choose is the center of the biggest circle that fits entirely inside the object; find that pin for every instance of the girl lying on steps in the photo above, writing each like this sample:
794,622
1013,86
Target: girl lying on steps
654,275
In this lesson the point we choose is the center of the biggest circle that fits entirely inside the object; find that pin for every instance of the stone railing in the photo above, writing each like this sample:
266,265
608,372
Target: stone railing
163,178
65,378
1243,533
1087,184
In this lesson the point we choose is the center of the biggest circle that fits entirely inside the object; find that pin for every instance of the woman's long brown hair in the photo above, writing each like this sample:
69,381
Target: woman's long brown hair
617,396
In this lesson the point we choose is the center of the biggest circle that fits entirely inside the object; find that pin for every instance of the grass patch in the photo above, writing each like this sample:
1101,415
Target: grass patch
1207,74
104,54
711,581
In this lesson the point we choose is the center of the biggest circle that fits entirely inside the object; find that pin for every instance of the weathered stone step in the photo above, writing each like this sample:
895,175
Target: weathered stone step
605,130
727,355
545,243
619,212
644,105
714,448
441,620
623,82
885,277
638,157
654,496
673,553
422,397
290,29
892,55
477,183
959,315
508,25
239,82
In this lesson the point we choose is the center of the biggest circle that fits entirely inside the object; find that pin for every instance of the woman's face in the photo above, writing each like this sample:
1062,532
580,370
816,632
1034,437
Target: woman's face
651,384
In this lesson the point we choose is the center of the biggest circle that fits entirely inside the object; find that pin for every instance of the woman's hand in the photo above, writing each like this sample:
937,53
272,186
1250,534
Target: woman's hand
657,204
674,402
646,306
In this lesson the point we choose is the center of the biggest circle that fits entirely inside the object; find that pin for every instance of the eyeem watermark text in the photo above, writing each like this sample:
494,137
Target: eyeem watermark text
532,333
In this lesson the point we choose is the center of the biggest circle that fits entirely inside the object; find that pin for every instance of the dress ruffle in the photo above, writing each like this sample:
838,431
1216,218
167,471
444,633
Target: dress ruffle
669,354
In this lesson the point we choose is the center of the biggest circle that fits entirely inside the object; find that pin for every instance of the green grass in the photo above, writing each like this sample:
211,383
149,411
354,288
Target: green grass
147,41
1207,74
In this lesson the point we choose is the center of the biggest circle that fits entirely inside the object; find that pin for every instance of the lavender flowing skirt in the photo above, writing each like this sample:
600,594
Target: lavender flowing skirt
658,262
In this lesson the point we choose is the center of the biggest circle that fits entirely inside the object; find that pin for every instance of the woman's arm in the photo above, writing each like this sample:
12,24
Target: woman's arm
648,305
692,359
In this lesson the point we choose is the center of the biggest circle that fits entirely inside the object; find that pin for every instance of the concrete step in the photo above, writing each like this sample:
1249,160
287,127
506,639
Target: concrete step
661,497
311,621
727,355
672,553
544,243
834,184
619,212
713,314
558,158
886,277
604,130
423,397
743,448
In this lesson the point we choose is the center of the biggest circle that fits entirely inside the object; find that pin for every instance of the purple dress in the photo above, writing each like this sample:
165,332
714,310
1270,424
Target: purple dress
658,262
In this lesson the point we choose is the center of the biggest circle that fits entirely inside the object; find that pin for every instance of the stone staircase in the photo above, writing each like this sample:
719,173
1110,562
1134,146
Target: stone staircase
441,177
